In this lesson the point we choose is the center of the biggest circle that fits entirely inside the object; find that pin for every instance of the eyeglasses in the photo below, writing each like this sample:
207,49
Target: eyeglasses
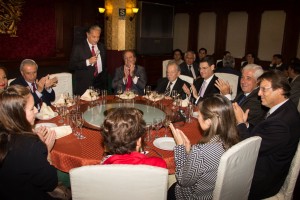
264,89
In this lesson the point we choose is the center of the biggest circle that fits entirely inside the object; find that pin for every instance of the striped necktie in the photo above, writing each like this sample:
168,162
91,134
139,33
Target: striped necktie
168,90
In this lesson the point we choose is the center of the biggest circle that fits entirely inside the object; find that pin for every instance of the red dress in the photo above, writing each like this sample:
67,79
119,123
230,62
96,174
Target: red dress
135,158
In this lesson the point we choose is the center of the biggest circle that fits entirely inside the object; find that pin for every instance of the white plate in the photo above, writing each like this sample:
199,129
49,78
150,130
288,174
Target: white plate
48,125
165,143
124,96
45,117
195,114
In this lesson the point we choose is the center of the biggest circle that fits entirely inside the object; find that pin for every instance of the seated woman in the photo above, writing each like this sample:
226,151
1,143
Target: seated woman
123,130
197,165
3,78
25,172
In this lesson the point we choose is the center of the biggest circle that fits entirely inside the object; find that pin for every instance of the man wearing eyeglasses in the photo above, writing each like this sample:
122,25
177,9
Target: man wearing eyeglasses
280,133
205,85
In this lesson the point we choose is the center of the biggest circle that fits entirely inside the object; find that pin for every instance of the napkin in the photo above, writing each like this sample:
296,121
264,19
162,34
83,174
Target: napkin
62,131
157,98
127,95
46,112
87,96
60,101
185,102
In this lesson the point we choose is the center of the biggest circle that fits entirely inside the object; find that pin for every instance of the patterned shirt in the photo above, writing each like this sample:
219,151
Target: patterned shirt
196,172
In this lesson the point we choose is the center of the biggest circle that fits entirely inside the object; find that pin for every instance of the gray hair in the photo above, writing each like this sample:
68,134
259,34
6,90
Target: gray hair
28,62
228,61
258,70
93,27
172,62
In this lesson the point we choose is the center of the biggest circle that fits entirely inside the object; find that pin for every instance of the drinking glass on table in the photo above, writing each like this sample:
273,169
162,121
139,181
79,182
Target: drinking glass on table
60,109
166,123
148,91
79,124
157,123
148,132
119,91
174,95
103,95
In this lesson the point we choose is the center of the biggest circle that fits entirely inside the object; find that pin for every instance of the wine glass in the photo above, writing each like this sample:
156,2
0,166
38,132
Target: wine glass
119,91
166,123
157,123
174,95
148,132
79,124
60,110
148,91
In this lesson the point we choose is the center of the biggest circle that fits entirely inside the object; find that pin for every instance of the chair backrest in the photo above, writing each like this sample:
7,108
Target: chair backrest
236,170
164,67
287,189
232,79
64,84
114,182
220,60
188,79
10,80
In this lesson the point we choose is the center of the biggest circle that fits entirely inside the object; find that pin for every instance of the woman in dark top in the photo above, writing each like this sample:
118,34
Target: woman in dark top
25,172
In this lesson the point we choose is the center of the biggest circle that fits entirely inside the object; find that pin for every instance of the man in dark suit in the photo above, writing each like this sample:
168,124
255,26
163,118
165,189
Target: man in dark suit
172,82
88,61
41,90
205,85
189,67
130,76
294,74
280,133
248,98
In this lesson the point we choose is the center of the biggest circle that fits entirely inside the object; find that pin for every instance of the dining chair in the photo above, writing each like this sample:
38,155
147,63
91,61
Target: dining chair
164,67
232,79
233,181
64,84
287,189
188,79
114,182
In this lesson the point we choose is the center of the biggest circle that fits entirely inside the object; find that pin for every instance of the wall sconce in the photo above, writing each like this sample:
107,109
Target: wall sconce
102,10
134,11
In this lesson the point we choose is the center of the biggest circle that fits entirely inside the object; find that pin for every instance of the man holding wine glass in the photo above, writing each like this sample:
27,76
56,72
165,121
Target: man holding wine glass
130,76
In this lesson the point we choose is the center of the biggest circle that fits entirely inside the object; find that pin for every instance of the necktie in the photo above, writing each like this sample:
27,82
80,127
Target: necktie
33,87
202,89
267,115
241,99
95,65
168,90
129,83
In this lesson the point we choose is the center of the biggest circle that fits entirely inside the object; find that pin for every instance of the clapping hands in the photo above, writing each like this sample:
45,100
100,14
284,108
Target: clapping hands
180,138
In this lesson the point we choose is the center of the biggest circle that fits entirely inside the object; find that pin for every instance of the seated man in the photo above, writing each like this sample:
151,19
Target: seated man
280,133
205,85
172,82
294,74
248,98
189,67
130,76
41,89
277,63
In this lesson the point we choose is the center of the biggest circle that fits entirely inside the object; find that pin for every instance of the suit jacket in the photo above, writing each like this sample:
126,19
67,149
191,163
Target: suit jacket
295,90
46,96
163,83
280,134
84,75
253,103
139,87
185,70
210,89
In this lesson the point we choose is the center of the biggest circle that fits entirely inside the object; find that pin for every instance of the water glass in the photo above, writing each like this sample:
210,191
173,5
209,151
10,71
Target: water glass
157,123
189,113
148,132
79,124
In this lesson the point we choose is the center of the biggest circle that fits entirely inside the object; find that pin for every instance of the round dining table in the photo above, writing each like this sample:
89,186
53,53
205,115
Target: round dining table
70,152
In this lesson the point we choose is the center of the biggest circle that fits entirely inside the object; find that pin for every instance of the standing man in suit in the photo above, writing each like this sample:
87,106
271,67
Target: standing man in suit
205,85
294,74
248,98
189,67
130,76
88,61
41,89
172,82
280,133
